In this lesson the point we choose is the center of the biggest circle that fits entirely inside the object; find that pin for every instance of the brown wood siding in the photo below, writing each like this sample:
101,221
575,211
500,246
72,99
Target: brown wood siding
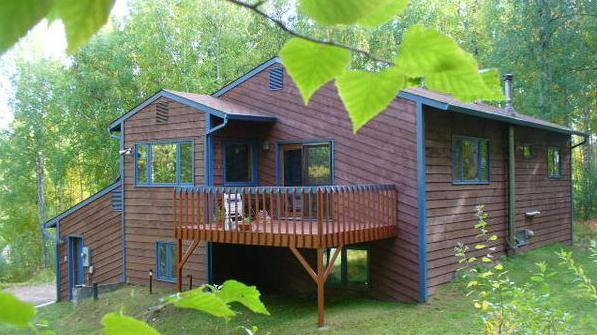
100,228
384,151
451,208
535,191
148,210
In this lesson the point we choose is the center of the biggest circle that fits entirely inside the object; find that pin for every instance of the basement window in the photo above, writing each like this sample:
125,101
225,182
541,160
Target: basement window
164,164
166,261
351,267
554,162
470,157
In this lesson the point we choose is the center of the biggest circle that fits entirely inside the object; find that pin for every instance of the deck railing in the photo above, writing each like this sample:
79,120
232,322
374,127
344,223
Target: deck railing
307,217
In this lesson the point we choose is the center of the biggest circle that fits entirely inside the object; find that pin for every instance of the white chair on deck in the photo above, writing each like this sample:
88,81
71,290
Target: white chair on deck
233,205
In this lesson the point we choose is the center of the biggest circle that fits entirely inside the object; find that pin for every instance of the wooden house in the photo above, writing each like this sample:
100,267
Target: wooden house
251,184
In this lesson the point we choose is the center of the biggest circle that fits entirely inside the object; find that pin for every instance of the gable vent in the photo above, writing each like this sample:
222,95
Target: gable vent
117,200
276,78
161,112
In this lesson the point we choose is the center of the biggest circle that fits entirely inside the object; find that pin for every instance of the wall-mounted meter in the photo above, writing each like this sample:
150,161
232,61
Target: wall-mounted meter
86,256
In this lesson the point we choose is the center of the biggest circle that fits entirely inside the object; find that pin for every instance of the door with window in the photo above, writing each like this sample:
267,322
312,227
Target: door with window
305,164
75,260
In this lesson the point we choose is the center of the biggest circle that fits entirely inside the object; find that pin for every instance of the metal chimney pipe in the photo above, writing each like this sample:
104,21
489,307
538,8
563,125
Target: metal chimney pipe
508,92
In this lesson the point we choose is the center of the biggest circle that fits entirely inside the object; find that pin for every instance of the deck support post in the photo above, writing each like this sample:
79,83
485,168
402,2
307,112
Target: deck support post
319,277
182,260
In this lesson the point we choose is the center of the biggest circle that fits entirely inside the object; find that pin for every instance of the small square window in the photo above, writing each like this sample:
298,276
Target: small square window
528,151
471,160
554,162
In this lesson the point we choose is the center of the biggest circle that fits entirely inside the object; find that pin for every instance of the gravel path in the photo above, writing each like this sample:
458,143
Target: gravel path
36,294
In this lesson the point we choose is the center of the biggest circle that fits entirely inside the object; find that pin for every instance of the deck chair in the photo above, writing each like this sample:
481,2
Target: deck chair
233,206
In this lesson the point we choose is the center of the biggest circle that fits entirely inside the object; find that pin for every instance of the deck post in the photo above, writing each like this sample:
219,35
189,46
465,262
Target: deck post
179,266
320,287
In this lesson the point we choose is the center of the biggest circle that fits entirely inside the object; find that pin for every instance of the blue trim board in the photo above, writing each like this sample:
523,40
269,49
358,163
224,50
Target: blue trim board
57,265
52,222
422,190
123,212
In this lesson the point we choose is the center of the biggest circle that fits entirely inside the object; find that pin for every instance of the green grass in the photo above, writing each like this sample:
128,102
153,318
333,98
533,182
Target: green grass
448,312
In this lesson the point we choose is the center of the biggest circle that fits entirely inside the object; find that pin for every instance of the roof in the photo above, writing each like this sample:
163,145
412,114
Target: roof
480,109
438,100
201,102
51,223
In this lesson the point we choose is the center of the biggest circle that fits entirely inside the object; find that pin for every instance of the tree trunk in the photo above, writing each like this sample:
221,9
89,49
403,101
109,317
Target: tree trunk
40,177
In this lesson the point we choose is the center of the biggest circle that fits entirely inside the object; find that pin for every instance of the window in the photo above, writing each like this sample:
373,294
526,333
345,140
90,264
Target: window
471,160
239,163
164,163
351,267
528,151
166,260
306,164
554,162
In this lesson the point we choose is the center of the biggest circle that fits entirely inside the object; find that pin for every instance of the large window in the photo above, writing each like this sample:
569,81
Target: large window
166,261
351,267
164,163
554,162
470,160
239,163
306,164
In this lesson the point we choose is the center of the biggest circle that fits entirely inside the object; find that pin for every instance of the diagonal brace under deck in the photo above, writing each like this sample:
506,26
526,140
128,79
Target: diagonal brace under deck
319,277
182,260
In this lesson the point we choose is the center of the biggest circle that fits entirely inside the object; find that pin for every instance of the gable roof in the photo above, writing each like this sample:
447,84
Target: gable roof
51,223
437,100
205,103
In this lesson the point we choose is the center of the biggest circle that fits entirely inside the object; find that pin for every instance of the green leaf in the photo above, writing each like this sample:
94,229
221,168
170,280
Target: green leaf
366,12
384,13
235,291
17,17
366,94
311,64
493,86
204,301
15,312
424,51
82,19
116,324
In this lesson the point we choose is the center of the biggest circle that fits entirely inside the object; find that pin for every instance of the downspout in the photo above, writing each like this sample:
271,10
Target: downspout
209,181
511,243
122,218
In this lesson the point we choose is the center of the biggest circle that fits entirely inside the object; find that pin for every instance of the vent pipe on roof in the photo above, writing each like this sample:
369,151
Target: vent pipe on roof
508,92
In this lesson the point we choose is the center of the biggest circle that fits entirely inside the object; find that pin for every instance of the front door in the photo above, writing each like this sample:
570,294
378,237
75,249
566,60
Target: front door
75,271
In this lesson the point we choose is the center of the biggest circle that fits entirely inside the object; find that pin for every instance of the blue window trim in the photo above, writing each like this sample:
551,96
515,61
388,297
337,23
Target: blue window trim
150,183
559,174
455,158
254,145
171,257
279,144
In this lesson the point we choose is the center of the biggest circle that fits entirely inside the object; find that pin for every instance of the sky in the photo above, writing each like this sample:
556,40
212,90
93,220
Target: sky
47,40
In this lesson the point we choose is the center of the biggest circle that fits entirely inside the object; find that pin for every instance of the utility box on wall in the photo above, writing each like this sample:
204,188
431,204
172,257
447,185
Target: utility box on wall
86,256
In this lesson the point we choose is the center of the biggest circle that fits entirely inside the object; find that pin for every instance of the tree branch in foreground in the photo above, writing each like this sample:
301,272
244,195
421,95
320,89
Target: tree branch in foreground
255,8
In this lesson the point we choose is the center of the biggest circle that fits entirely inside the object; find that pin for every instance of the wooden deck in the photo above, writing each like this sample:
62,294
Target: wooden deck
295,217
302,217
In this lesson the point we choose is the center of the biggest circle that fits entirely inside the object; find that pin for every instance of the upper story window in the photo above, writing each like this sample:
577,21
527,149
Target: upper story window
554,162
306,164
470,160
528,151
164,163
166,260
239,163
